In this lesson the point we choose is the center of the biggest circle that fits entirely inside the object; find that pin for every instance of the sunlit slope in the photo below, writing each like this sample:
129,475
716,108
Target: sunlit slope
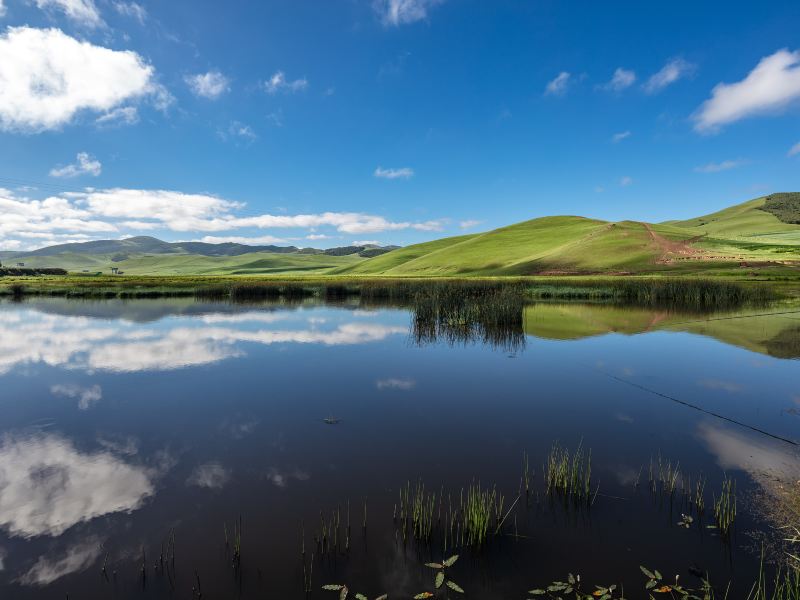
744,222
550,244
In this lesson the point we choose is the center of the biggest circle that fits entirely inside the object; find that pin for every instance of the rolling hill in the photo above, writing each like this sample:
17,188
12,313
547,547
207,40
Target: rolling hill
764,232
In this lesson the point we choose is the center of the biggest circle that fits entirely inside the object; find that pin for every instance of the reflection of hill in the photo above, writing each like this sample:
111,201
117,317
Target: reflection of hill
772,334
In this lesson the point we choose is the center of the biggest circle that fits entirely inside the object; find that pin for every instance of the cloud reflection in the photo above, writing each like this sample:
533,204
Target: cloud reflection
47,485
77,557
30,337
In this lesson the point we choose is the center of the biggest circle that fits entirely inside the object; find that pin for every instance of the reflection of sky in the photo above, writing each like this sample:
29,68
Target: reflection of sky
30,337
47,485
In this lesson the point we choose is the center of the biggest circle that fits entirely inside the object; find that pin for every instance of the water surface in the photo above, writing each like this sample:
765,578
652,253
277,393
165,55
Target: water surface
124,423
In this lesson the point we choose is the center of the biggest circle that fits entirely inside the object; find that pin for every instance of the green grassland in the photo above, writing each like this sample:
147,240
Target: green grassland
756,238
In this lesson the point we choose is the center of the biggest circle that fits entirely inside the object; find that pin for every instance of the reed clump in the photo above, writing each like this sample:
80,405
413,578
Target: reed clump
569,473
725,506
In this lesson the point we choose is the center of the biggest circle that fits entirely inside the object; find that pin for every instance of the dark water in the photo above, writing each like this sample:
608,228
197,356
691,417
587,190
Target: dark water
122,422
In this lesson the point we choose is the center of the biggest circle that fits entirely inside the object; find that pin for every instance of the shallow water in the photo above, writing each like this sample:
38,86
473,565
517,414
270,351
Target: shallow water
122,422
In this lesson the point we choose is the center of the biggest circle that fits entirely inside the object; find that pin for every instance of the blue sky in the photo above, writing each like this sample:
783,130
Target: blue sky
329,122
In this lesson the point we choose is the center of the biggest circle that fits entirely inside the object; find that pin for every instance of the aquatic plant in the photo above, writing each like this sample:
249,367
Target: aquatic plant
572,587
344,591
664,475
656,585
725,506
569,473
442,577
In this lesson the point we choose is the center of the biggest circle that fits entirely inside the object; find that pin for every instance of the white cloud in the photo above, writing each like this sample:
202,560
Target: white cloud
402,173
87,396
469,223
238,130
559,85
401,12
85,165
47,78
2,9
279,83
618,137
124,115
78,557
264,240
49,485
794,150
131,9
725,165
366,243
83,12
626,181
318,236
622,79
770,87
74,216
673,71
209,475
394,383
209,85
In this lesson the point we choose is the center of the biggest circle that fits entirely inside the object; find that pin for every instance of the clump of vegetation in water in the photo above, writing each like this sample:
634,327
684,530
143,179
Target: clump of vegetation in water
725,506
442,577
344,591
572,587
569,473
664,475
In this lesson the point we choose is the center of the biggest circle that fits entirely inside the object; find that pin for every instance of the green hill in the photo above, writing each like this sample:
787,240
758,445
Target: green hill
760,233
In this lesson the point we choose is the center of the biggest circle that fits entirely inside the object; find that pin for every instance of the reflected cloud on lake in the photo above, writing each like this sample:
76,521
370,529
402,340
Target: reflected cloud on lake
77,557
47,485
28,337
211,475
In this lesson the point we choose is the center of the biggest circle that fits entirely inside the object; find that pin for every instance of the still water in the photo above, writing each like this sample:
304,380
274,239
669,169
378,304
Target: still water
136,436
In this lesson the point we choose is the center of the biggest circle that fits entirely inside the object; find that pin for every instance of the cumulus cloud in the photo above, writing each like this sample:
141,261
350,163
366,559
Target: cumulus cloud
83,12
49,485
209,85
77,557
401,173
401,12
238,131
133,10
559,85
622,79
84,165
86,396
725,165
279,83
366,243
76,216
770,87
47,78
671,72
618,137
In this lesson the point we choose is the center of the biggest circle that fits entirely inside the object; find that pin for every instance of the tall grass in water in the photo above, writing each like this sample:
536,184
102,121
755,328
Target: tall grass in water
725,506
569,473
785,585
468,313
664,475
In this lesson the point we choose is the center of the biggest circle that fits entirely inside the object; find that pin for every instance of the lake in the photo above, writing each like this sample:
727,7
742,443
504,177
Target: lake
180,448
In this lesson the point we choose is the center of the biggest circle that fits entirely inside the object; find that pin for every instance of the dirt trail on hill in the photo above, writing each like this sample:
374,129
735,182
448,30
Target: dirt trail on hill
671,249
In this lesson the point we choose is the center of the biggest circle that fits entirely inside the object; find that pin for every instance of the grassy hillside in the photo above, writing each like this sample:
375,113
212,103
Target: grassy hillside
546,245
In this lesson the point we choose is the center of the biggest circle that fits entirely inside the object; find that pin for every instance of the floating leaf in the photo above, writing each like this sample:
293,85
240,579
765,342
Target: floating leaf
384,597
451,561
454,586
537,592
332,587
439,579
343,593
647,572
434,565
658,575
571,579
423,596
361,597
664,589
598,593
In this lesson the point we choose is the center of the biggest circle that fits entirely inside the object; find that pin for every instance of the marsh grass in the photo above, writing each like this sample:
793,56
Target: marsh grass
725,506
664,476
569,473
